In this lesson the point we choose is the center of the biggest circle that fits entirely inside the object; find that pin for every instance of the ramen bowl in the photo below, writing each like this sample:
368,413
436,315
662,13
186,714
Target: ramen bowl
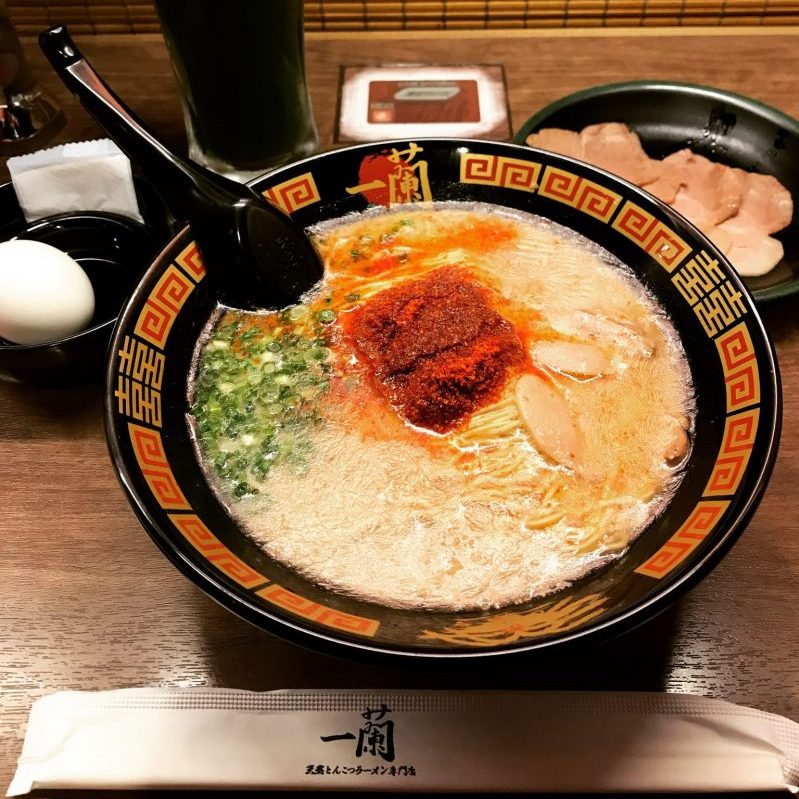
731,361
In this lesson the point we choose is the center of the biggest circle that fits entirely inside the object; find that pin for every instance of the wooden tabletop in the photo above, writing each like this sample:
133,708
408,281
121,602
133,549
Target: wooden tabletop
88,602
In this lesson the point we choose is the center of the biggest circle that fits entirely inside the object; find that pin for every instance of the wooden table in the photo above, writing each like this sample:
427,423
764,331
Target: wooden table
86,600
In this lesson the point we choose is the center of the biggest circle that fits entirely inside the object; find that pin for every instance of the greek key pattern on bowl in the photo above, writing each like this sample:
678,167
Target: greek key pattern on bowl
736,447
579,193
742,381
148,448
694,530
206,543
300,606
498,170
739,362
651,235
293,194
191,262
168,296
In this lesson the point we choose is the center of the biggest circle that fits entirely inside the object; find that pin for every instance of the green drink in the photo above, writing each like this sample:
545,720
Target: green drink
241,69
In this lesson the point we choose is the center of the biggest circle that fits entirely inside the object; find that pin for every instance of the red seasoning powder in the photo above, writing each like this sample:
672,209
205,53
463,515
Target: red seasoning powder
437,347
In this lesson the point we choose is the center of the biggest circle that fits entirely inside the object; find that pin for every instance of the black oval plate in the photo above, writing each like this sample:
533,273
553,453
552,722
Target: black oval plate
725,127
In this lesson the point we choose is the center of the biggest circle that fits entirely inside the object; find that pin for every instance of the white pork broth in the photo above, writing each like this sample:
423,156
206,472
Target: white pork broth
473,409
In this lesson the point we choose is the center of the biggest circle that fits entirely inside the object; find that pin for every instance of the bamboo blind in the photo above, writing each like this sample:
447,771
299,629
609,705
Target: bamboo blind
138,16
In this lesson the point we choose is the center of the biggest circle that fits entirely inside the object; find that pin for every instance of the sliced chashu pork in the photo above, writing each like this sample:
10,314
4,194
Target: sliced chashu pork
614,147
751,251
709,192
555,140
665,188
736,210
766,207
765,202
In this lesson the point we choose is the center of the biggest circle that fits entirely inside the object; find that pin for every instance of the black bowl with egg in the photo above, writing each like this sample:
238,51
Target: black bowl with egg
114,252
729,128
732,450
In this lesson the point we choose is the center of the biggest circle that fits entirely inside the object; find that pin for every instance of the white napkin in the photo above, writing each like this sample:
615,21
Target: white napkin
403,741
79,176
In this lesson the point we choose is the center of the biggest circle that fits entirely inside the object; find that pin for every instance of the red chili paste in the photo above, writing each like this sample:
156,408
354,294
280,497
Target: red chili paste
438,348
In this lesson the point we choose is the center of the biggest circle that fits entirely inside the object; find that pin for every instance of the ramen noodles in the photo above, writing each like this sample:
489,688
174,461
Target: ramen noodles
474,407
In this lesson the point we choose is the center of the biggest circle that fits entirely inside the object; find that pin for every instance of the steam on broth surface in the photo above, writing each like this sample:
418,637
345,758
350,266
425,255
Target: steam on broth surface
473,409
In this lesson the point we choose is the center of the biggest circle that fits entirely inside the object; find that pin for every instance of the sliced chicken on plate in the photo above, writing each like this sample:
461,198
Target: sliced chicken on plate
766,202
735,209
563,142
614,147
752,252
709,192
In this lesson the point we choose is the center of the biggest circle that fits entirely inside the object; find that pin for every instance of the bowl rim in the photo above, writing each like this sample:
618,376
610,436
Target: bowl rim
286,628
755,107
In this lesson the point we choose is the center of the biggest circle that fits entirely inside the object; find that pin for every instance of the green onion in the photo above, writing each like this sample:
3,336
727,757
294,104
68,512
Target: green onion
256,396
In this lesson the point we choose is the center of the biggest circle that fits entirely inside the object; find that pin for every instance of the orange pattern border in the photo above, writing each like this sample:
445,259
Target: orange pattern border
162,306
696,527
307,609
742,381
740,431
190,260
293,194
739,362
499,170
195,531
580,193
148,449
651,235
168,296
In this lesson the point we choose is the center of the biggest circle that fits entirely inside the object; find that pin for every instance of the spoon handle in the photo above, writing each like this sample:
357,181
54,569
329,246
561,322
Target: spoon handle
176,179
254,252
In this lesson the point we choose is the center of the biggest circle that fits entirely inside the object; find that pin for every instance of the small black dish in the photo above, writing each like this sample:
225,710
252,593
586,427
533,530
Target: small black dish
720,125
114,251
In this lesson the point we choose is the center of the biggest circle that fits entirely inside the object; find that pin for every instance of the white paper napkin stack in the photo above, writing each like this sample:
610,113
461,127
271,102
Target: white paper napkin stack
79,176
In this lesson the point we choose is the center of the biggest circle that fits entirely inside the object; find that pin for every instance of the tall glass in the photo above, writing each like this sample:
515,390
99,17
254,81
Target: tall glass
29,116
240,65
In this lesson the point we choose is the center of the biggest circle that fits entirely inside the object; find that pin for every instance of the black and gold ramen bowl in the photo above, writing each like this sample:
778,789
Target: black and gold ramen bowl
731,360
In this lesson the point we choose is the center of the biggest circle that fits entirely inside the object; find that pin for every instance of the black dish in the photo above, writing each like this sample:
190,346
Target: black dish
720,125
114,251
731,359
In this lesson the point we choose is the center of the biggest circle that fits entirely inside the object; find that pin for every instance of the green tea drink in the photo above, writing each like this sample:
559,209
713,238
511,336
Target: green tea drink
241,69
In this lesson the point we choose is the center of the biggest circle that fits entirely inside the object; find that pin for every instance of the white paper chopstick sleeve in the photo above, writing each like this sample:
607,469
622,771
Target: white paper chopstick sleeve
403,741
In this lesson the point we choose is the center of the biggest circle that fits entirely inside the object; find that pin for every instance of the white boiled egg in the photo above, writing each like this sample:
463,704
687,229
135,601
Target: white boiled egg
44,294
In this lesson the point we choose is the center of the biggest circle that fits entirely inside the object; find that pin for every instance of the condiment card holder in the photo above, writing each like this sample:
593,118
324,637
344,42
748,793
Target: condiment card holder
79,176
404,741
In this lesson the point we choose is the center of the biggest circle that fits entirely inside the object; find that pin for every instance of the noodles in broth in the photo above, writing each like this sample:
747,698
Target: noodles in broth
474,408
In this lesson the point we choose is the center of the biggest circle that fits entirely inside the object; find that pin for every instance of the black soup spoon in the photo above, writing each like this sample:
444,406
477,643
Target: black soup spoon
256,255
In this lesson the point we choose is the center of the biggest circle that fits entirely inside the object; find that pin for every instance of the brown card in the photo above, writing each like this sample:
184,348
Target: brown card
402,101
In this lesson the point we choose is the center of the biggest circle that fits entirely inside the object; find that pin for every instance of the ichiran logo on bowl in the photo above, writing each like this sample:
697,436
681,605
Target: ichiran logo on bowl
394,177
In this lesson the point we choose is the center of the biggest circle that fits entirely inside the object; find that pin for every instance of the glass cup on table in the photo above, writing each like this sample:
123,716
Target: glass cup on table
240,65
29,115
